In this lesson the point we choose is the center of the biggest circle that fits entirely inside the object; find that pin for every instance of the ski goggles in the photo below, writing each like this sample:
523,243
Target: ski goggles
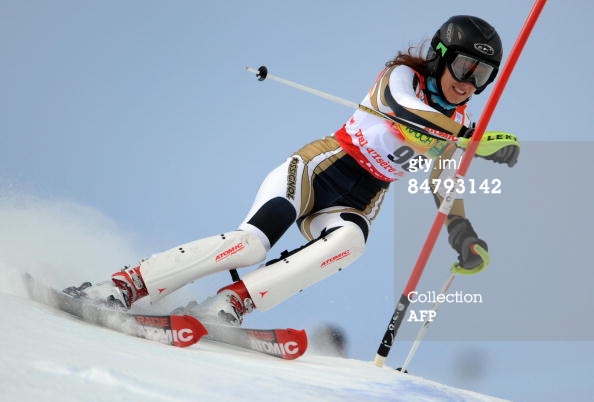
466,68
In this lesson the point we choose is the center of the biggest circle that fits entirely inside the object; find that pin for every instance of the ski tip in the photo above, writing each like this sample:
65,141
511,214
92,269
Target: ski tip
294,343
187,330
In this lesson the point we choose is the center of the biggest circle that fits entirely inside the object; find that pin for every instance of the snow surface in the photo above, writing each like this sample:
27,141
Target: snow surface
48,355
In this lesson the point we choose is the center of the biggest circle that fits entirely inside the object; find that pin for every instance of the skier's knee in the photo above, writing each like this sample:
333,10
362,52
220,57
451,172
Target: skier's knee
315,225
359,221
273,218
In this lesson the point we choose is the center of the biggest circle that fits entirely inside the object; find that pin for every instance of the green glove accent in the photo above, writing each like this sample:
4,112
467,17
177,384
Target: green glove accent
491,142
456,268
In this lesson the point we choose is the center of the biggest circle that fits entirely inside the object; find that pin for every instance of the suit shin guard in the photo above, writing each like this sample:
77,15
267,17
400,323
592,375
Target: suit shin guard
168,271
276,282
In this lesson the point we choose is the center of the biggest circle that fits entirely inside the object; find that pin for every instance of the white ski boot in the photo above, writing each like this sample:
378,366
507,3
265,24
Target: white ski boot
124,288
226,307
101,293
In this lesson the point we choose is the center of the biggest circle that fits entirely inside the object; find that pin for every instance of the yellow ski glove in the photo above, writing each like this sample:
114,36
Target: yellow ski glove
497,146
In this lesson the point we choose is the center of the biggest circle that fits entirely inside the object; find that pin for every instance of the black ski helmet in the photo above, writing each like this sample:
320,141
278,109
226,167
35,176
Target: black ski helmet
468,35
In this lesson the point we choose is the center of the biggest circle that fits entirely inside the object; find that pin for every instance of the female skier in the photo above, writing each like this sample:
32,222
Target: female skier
333,187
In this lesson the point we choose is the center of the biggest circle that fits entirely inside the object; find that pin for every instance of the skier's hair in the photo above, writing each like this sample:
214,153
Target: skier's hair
412,58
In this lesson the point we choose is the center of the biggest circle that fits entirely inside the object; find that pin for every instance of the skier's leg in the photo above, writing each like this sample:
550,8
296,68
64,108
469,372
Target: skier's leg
168,271
288,191
341,239
277,203
274,210
334,249
274,283
284,194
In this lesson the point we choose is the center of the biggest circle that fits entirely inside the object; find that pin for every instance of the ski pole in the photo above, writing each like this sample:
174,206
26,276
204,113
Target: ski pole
444,290
262,73
427,323
446,204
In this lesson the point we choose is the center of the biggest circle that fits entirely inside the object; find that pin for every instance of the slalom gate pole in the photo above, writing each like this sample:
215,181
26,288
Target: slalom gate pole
428,321
446,205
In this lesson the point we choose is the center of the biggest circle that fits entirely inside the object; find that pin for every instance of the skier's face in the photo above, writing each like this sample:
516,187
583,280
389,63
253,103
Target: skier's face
455,91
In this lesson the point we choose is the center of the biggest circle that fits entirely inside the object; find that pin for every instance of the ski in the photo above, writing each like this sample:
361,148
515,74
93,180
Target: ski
174,330
286,343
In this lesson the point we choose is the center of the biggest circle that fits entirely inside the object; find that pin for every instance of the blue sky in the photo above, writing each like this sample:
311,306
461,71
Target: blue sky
141,112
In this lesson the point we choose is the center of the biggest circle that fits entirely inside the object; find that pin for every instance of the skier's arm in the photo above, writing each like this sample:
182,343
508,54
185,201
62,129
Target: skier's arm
496,146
